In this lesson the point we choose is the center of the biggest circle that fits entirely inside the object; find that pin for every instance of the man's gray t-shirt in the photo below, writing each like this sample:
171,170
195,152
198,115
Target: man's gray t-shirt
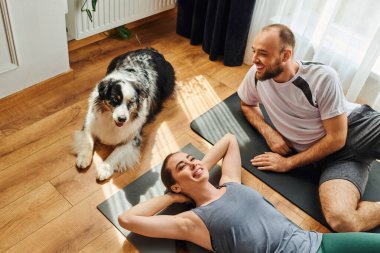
243,221
297,107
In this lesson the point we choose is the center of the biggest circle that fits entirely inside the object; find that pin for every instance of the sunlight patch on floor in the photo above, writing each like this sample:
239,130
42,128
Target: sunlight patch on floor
164,144
196,95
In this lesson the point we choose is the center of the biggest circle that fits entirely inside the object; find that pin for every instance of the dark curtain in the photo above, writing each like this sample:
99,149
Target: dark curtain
221,26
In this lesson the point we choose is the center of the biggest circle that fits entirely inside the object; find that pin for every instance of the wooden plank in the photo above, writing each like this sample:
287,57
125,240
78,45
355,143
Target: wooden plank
29,213
76,185
231,76
111,241
77,44
31,139
71,231
32,172
311,224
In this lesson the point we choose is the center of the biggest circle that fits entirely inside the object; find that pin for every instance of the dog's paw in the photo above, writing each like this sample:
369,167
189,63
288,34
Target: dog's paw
136,141
83,160
104,171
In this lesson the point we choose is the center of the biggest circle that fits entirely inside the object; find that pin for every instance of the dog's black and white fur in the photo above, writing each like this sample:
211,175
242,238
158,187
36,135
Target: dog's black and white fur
132,93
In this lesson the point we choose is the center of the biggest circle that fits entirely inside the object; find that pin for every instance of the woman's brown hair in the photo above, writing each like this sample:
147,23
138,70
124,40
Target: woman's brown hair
166,174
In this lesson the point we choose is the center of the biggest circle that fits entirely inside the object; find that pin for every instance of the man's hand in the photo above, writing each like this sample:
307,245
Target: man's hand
277,143
272,161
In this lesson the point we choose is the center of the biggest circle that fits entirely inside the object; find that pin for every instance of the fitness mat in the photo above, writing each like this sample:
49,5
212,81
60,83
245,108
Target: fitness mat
300,186
146,187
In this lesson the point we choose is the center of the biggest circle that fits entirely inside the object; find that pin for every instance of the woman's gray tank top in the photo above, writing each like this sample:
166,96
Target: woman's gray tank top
243,221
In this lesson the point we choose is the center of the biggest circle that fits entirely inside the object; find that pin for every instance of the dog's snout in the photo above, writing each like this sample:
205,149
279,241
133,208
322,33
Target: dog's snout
121,118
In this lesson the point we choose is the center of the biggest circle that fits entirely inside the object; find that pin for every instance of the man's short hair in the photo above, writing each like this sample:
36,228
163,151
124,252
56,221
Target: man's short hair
286,35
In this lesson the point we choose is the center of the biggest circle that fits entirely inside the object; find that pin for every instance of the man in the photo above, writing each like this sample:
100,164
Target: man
314,124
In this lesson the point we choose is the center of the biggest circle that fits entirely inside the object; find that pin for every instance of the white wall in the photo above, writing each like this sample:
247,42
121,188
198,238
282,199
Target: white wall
39,33
370,94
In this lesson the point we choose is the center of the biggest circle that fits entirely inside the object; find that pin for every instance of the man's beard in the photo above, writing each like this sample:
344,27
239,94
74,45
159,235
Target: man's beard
268,74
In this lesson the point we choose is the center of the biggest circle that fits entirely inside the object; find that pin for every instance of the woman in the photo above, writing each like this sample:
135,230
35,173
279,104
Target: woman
231,217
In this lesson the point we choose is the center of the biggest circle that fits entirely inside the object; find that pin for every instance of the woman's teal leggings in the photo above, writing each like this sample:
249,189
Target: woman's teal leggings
350,243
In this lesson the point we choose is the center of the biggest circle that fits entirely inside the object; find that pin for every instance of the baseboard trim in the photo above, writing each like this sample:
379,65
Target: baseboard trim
37,88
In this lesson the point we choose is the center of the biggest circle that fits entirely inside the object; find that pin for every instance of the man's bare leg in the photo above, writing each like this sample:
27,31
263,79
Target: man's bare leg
343,210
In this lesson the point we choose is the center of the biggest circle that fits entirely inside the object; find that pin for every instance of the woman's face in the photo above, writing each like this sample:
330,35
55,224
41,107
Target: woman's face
187,170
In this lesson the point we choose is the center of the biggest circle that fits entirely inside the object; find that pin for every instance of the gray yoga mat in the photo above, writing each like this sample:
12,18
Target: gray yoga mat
145,187
300,186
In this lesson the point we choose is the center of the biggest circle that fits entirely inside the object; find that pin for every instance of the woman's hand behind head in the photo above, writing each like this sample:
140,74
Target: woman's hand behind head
179,197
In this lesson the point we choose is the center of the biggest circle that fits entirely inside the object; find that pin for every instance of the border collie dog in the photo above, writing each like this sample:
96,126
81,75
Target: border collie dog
129,96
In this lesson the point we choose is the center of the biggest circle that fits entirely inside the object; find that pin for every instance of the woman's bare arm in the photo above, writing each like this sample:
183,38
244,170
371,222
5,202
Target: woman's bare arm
141,218
228,149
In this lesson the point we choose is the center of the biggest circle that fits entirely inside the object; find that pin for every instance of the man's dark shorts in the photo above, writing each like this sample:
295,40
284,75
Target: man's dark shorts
353,161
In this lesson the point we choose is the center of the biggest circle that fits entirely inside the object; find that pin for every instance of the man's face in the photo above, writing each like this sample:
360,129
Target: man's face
267,53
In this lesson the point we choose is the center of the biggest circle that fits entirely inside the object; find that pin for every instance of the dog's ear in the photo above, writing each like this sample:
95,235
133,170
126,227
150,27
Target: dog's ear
103,88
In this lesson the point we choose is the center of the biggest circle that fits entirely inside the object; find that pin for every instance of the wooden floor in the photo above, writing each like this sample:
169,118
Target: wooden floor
46,205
